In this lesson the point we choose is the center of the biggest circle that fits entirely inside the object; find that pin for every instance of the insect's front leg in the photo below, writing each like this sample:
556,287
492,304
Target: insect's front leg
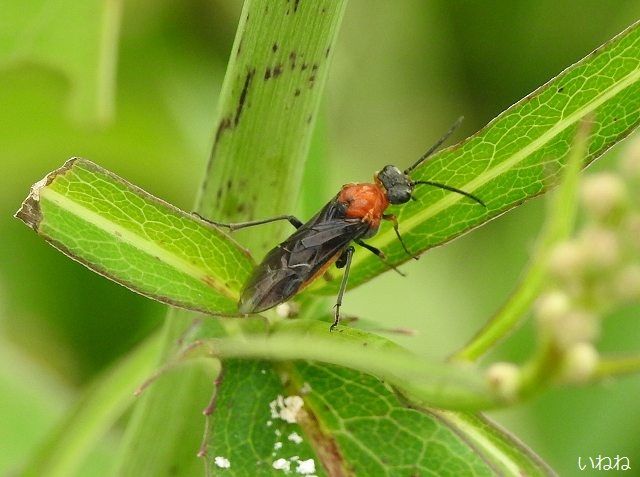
394,221
241,225
380,254
343,262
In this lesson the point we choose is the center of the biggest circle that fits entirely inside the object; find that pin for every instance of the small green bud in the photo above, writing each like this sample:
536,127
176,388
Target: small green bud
579,362
577,326
552,306
601,248
504,378
567,260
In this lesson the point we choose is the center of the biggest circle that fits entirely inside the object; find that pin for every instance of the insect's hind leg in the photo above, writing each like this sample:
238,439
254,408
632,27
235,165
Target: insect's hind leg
343,262
241,225
380,254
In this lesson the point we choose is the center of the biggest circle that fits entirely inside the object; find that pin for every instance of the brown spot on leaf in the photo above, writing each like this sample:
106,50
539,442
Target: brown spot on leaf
243,95
267,73
277,70
297,92
295,5
274,47
222,127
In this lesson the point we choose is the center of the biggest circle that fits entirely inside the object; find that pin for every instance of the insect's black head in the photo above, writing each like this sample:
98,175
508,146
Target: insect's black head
399,186
396,183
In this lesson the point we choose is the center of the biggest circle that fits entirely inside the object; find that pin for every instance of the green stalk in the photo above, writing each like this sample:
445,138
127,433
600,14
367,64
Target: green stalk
267,109
610,366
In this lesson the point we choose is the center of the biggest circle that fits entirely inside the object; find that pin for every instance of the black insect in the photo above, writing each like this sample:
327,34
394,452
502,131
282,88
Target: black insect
353,215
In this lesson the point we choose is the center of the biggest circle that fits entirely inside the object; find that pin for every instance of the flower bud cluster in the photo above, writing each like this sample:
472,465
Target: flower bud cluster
590,274
596,270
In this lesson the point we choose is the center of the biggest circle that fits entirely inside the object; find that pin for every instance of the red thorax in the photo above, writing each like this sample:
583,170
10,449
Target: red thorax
366,202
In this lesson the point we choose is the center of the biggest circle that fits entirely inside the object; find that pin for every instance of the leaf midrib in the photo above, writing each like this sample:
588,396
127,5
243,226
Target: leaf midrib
386,238
146,246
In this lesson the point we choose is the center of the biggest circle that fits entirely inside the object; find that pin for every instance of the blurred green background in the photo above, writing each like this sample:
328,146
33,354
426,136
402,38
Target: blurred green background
402,72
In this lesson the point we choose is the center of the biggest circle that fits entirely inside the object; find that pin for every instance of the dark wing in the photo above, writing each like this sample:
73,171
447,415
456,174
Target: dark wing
301,258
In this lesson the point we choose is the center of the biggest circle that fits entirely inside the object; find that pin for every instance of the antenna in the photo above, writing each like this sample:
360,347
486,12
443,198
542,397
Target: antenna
435,147
452,189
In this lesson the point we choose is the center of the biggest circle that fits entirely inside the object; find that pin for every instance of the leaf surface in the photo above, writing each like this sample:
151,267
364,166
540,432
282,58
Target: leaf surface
351,424
136,239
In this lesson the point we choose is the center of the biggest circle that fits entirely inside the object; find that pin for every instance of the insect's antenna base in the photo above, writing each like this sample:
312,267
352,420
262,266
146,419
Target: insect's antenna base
435,147
452,189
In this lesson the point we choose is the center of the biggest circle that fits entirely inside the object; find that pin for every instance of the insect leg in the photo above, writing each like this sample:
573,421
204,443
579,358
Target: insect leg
394,220
380,254
343,261
241,225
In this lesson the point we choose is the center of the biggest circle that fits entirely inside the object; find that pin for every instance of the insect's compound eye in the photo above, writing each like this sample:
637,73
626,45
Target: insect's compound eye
400,194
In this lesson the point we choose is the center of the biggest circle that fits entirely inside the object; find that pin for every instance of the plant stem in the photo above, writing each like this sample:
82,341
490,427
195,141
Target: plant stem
617,365
541,369
266,112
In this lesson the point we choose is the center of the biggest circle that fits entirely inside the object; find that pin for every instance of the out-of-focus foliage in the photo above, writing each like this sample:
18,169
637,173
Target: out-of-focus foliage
399,78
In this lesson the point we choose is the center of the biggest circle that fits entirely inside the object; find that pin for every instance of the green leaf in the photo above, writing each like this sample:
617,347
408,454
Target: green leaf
82,42
505,454
136,239
244,431
351,424
517,156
